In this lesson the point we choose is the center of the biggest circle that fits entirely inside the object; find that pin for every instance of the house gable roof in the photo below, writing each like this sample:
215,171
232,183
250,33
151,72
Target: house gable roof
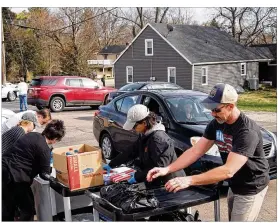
201,44
268,50
149,25
112,49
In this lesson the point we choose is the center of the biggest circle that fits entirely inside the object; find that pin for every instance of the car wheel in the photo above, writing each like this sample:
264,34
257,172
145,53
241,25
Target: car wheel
57,104
107,146
11,96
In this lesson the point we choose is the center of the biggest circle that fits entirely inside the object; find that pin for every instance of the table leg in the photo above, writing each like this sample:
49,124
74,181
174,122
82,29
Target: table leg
67,208
217,210
96,215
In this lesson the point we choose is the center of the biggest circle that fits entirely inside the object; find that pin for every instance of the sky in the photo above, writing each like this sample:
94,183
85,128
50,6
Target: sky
200,14
200,6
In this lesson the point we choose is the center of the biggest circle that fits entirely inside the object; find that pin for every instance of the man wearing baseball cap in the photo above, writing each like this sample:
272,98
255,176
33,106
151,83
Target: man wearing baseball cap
153,147
240,144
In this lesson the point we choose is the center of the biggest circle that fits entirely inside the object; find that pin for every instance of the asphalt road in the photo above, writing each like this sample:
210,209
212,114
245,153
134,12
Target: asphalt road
78,122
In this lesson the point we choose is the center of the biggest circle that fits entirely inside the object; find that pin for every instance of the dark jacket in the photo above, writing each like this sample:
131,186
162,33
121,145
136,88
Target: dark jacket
153,150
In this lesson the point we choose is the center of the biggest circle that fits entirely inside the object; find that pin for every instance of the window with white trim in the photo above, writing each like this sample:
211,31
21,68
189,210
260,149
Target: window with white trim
129,74
204,76
148,47
243,69
172,75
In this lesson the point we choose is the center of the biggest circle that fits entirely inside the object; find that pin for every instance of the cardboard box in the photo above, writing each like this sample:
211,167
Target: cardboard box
80,170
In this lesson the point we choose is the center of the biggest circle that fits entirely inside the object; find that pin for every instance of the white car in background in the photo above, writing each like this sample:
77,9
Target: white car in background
9,91
6,114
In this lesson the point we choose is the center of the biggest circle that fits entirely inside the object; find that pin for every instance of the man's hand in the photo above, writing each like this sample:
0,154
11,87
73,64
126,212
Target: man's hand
157,172
178,183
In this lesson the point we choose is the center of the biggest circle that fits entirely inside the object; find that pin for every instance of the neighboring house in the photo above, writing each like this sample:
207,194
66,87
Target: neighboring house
105,58
194,57
268,70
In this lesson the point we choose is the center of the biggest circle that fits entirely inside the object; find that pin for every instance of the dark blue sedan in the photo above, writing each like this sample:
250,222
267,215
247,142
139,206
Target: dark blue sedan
147,85
173,108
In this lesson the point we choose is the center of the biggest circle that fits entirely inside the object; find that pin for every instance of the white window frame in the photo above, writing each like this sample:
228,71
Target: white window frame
206,75
128,67
243,64
168,72
146,47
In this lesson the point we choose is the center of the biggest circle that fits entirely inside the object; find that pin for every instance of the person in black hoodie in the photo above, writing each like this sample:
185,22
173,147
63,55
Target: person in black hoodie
153,147
27,158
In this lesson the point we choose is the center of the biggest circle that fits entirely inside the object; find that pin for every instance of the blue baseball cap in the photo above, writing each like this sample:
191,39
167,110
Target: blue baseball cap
220,94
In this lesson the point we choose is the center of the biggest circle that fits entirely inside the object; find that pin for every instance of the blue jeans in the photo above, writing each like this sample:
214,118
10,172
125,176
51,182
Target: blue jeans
23,101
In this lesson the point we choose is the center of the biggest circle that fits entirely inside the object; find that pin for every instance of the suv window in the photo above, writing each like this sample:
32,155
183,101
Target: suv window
43,82
73,82
124,104
89,83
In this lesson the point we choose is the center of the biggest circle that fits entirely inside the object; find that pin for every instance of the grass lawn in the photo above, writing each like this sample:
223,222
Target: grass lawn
260,100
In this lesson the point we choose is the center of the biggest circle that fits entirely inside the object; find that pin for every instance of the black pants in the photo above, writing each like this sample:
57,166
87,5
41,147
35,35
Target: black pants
16,195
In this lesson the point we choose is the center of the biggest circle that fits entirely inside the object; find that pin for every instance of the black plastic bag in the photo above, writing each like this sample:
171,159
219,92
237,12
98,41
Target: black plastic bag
130,198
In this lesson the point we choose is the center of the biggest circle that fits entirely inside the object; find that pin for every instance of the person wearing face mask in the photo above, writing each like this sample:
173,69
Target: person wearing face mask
27,124
153,147
27,158
240,144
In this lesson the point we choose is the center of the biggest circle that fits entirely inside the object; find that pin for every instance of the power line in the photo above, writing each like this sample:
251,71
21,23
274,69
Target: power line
49,32
83,20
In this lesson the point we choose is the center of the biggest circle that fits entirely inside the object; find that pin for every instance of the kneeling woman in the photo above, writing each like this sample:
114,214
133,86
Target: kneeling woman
153,147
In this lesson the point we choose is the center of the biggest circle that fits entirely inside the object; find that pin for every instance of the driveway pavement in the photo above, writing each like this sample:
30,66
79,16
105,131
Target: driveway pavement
78,122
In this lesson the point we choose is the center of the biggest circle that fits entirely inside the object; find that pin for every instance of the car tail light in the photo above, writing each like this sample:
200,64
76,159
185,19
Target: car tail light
97,113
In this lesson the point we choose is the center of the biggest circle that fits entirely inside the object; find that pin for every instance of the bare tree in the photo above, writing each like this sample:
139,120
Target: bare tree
246,24
181,16
138,17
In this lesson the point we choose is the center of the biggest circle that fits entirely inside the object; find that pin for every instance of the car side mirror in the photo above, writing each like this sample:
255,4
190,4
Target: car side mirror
96,87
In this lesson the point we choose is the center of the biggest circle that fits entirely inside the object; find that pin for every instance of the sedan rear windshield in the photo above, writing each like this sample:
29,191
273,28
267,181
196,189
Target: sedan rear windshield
131,87
43,82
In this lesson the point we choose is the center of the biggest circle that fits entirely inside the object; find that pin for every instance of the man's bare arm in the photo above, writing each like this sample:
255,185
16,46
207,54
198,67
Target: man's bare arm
191,155
233,164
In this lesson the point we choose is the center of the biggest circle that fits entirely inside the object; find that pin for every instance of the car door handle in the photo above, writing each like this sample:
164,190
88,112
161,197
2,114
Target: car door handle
110,120
65,88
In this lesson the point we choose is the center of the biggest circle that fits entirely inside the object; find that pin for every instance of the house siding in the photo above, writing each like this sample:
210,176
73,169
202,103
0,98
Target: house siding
224,73
145,67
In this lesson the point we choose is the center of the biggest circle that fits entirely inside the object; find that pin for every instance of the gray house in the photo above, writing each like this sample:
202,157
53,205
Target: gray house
194,57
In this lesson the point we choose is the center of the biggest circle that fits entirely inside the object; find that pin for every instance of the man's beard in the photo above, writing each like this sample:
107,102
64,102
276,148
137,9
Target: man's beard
220,121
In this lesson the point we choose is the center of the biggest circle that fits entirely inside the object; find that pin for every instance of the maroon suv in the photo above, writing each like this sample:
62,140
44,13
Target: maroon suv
57,92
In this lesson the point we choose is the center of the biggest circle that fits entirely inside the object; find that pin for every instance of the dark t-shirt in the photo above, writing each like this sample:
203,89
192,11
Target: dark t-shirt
242,137
28,157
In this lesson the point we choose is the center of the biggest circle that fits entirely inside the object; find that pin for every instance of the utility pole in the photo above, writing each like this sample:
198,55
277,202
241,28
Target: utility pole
3,54
49,59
